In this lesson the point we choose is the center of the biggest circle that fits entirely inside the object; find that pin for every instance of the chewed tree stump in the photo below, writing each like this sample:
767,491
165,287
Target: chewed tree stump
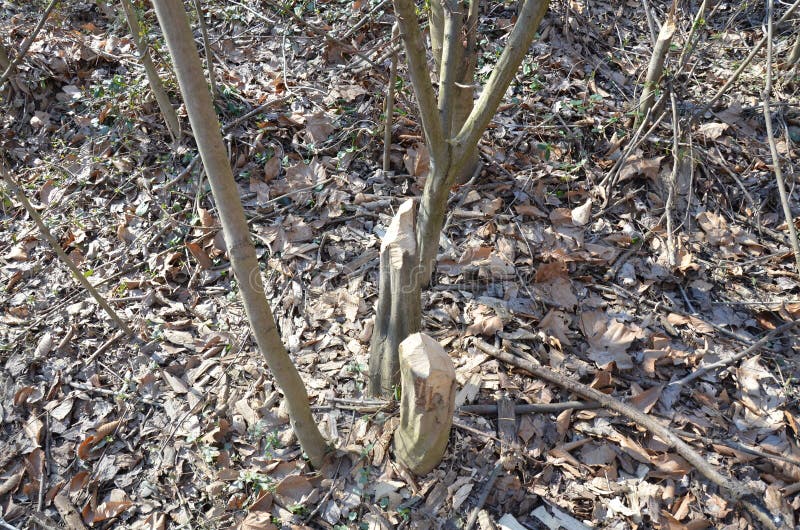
428,384
397,313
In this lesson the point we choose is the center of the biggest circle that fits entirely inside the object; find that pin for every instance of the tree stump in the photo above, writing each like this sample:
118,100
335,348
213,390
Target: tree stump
397,314
428,382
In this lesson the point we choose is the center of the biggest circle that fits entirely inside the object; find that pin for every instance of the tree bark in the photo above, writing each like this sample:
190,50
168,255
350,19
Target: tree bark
206,128
164,104
451,150
655,68
397,313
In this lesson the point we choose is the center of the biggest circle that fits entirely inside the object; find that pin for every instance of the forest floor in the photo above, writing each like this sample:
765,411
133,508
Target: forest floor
184,427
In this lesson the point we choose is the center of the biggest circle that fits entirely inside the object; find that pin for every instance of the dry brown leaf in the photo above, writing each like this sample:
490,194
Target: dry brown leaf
609,339
417,160
485,325
200,255
85,447
556,324
647,399
318,127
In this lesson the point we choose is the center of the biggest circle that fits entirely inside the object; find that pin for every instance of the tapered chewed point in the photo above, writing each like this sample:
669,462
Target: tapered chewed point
428,383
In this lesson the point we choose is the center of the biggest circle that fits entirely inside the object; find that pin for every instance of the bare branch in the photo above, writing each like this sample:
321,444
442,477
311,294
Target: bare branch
518,43
420,78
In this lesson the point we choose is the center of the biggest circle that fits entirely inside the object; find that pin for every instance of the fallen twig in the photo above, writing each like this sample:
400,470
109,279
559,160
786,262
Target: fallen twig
705,368
735,490
529,408
27,44
487,488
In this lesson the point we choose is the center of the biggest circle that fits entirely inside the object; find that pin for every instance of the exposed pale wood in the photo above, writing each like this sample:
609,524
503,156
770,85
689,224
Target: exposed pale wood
428,380
397,313
655,68
153,79
206,128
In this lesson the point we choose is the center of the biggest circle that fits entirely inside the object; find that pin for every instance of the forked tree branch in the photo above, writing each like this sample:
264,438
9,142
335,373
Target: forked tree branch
451,59
506,68
420,78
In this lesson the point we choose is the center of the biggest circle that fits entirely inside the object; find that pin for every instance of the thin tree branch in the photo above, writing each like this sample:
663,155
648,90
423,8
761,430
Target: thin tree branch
735,490
212,78
746,62
27,44
389,117
451,60
56,246
506,68
705,368
420,78
773,149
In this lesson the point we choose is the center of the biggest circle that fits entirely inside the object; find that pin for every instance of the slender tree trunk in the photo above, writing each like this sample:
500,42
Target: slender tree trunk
794,55
206,128
164,104
212,76
465,88
450,156
451,147
436,29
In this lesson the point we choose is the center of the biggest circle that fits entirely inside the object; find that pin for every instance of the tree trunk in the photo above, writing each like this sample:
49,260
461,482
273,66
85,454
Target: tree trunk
427,405
206,128
397,313
451,150
794,55
164,104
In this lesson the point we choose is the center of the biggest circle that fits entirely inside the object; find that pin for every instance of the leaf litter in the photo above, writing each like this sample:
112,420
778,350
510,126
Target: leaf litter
188,429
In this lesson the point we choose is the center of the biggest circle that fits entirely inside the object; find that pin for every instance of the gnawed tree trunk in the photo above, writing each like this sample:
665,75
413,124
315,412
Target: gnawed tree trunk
450,150
164,104
397,314
427,404
655,69
206,128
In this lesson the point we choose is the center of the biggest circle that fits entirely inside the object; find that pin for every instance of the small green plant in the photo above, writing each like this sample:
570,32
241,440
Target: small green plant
209,453
256,481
